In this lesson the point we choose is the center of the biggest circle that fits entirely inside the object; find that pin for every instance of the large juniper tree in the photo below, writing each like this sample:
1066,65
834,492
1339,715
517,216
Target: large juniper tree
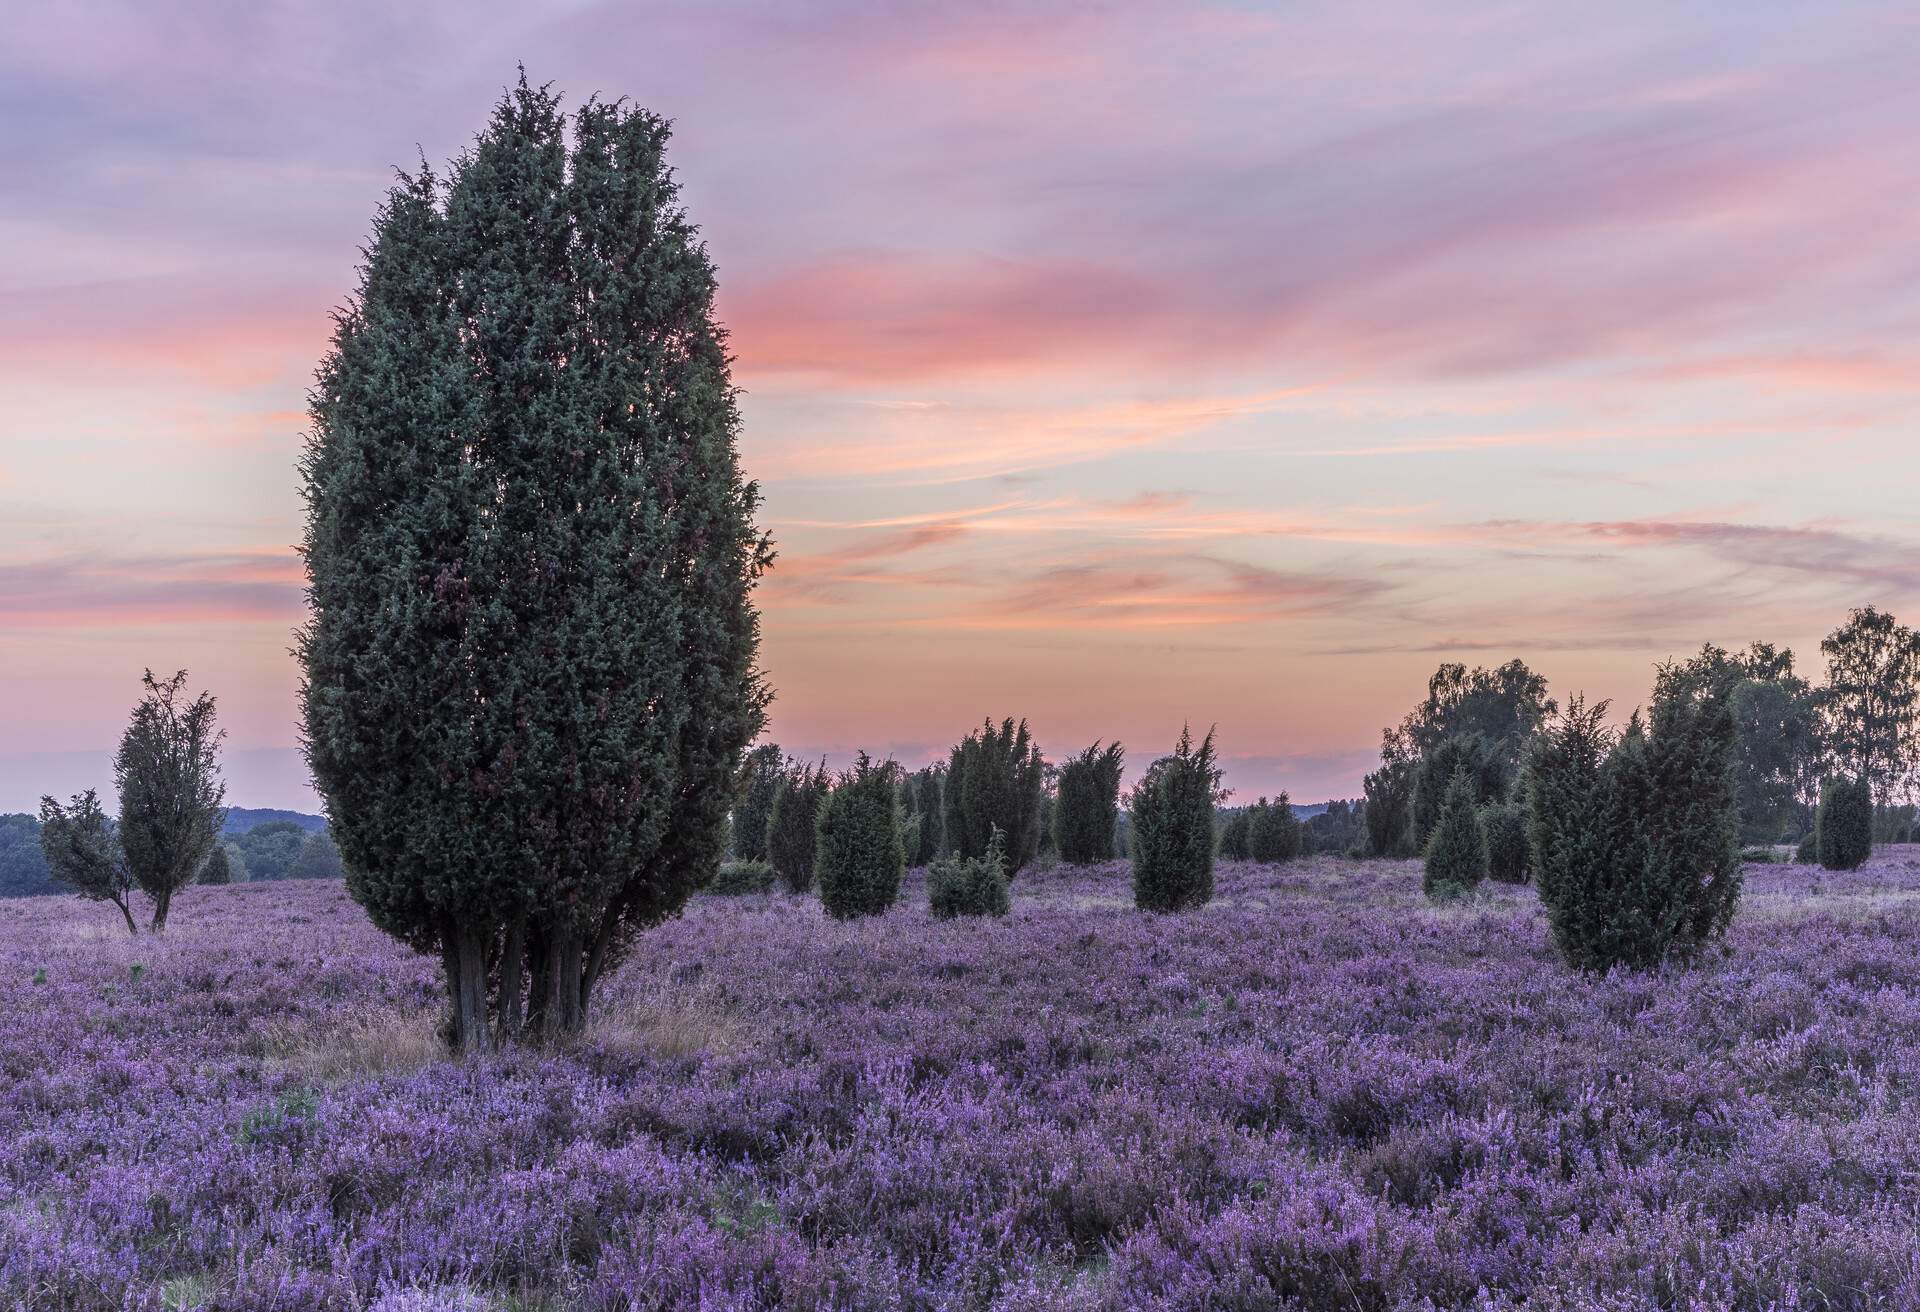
1087,804
995,778
530,665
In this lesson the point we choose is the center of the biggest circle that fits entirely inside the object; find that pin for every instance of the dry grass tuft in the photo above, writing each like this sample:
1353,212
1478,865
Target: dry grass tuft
671,1028
382,1042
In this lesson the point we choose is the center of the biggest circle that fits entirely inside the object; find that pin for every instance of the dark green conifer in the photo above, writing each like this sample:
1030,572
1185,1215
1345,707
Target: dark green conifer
1171,826
530,666
1456,857
1843,826
792,828
1087,804
860,861
995,777
1273,831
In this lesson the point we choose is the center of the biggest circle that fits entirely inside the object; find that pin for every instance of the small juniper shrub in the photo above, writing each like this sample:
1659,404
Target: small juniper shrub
859,859
219,866
1171,825
793,823
1843,828
1457,851
1474,754
1505,825
740,878
970,886
1273,831
1233,834
1087,804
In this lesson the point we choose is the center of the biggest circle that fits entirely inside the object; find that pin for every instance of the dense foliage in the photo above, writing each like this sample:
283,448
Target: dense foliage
924,827
319,859
1389,808
218,867
530,666
738,878
1843,829
1776,730
1509,860
1871,703
1474,756
1235,829
1171,810
83,852
1086,805
23,862
793,822
760,777
270,850
860,859
1340,829
1273,831
1634,840
167,772
970,886
995,779
1456,855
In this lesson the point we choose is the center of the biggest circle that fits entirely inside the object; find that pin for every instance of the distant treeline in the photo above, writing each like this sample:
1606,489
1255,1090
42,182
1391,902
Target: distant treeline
257,843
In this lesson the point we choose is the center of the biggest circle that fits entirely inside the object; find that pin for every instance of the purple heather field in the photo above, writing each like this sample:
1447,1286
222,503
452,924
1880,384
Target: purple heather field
1320,1093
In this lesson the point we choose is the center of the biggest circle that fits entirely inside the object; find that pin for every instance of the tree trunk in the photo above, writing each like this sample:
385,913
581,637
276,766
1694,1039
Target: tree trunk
161,903
127,911
507,1002
465,955
562,1009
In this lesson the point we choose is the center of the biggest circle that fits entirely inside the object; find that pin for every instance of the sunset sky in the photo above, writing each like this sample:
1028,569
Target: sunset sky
1111,365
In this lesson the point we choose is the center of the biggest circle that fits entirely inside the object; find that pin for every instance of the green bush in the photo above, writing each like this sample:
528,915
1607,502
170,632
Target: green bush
1807,850
920,801
1473,754
1634,837
1456,857
1843,827
1389,809
859,859
739,878
1758,856
970,886
995,778
1171,824
760,776
793,824
1233,834
1087,804
1505,825
219,866
1273,831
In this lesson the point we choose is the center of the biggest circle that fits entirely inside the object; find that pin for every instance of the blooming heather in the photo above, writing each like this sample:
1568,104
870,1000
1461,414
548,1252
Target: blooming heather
1318,1092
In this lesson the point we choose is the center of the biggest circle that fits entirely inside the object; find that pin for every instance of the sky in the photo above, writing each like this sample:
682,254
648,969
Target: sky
1116,366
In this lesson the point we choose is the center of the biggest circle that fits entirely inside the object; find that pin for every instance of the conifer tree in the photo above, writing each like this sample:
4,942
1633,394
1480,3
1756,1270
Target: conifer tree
1843,826
792,826
1087,804
921,795
860,861
218,867
1171,811
995,777
1456,857
168,774
1234,833
760,779
1505,825
530,665
83,854
1389,809
1273,831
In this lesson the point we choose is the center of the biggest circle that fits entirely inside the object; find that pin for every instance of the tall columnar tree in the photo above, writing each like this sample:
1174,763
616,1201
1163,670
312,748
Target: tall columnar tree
1843,826
792,825
1273,831
1456,856
995,777
1872,700
760,778
530,666
1171,810
1087,804
83,854
1389,809
920,798
168,774
1634,839
860,861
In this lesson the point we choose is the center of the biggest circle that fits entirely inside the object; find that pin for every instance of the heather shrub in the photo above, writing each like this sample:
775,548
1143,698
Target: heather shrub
1456,856
1505,827
738,878
1843,826
1389,809
970,886
920,802
995,778
793,824
1273,831
859,859
1172,828
1086,804
1634,837
1233,834
760,777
